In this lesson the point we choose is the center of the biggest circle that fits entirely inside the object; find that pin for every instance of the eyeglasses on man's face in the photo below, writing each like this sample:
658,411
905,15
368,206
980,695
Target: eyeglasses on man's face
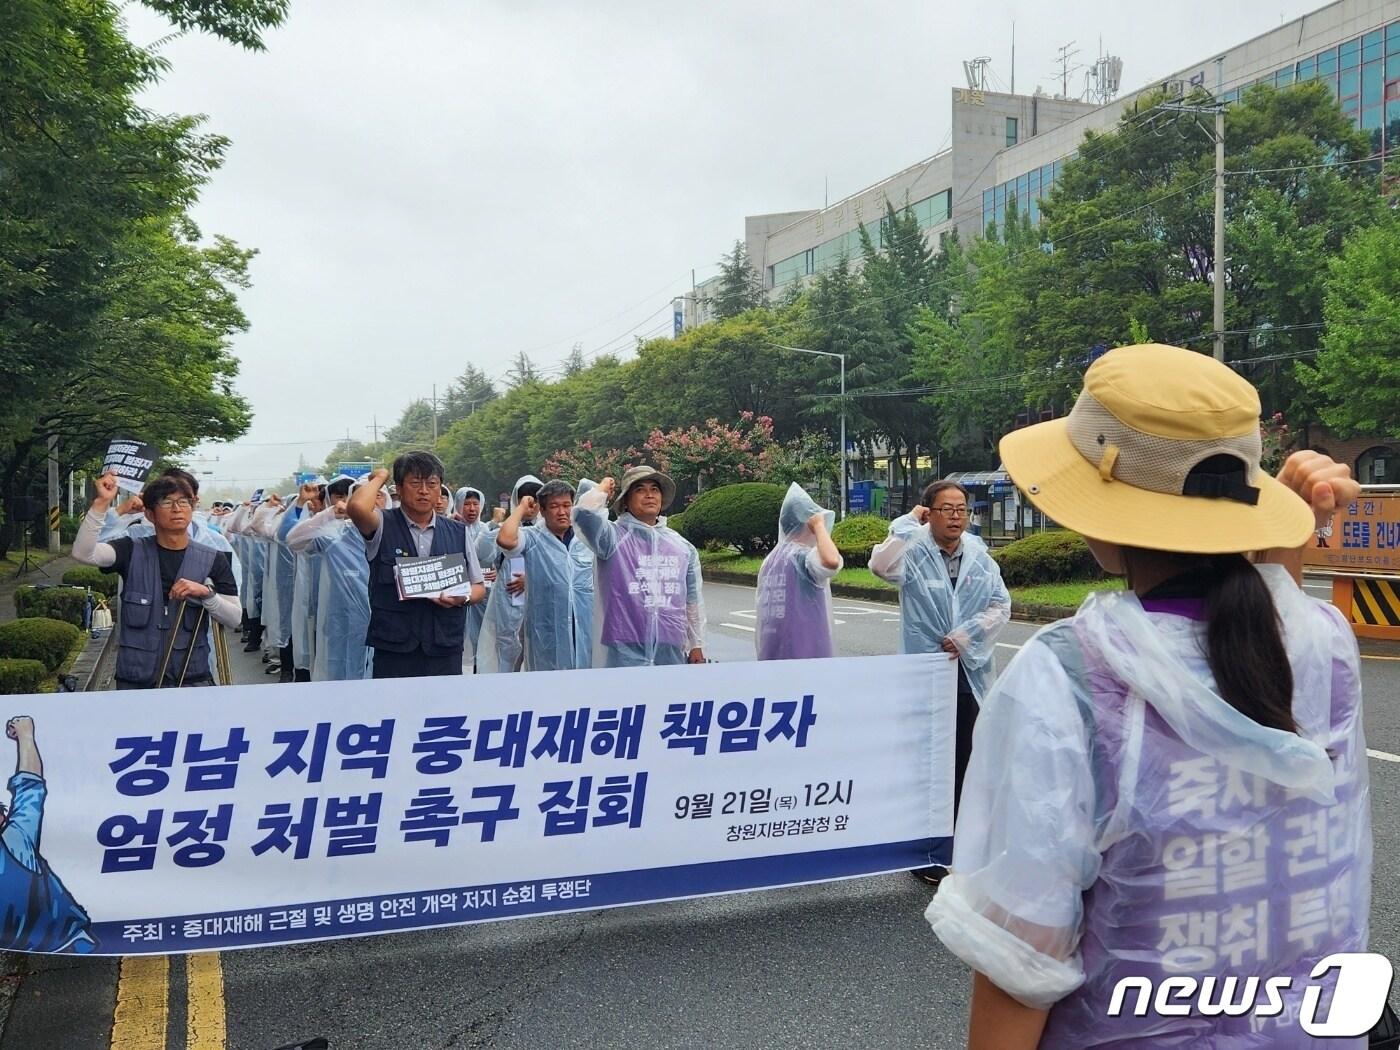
175,503
950,511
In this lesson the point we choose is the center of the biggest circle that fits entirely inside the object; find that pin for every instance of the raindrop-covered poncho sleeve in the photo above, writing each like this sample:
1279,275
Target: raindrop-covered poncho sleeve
1025,847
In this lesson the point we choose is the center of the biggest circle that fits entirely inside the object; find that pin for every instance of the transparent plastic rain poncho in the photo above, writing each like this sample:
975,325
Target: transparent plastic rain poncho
476,612
501,644
250,553
558,626
794,587
342,597
648,608
306,570
1119,818
279,576
972,614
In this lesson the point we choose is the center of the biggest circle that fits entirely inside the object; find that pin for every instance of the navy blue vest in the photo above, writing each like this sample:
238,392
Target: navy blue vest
146,617
406,626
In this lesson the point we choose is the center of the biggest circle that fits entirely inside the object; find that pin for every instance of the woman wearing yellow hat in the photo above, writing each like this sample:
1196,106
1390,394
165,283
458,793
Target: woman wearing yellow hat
1171,785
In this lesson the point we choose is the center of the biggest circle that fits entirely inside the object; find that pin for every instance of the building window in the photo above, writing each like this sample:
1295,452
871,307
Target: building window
1011,125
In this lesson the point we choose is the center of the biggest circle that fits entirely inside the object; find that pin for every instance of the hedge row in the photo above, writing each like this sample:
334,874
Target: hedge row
55,603
1047,557
856,536
743,516
36,638
100,582
21,676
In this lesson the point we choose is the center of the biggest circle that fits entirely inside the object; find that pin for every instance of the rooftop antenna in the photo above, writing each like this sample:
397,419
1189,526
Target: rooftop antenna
976,72
1067,54
1013,56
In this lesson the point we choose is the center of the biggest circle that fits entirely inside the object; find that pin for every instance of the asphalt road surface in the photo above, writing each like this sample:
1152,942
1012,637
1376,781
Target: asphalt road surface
846,964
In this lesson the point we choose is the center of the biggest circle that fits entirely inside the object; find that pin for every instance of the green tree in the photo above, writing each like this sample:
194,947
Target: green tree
468,392
740,287
1356,374
522,372
1130,220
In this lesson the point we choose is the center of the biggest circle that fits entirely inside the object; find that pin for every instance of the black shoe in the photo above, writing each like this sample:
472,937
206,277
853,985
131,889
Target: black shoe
272,669
932,875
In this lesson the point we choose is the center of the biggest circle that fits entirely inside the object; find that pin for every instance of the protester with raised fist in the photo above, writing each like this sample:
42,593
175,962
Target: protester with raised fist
501,647
167,578
558,625
1172,785
651,609
416,636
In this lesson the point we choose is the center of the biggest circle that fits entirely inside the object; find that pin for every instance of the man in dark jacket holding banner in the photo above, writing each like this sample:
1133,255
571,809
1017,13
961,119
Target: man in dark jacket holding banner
413,637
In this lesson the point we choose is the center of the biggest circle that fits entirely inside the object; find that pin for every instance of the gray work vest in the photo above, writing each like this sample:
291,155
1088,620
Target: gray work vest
147,615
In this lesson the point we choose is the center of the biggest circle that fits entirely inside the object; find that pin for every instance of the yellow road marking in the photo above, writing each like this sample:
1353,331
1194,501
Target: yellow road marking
142,1003
205,1027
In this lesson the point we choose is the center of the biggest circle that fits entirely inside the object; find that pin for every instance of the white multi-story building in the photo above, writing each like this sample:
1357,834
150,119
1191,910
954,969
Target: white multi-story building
1009,148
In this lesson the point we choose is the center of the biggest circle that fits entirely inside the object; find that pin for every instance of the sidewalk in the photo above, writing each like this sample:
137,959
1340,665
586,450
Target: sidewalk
50,572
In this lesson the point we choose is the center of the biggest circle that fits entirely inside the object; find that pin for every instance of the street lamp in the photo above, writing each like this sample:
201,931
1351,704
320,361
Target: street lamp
842,359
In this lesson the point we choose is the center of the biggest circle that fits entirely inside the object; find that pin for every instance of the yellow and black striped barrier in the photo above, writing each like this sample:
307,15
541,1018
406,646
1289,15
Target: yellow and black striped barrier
1371,603
54,518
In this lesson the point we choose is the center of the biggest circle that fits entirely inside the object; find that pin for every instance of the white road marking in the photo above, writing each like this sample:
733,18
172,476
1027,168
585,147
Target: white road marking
1007,645
1384,756
738,627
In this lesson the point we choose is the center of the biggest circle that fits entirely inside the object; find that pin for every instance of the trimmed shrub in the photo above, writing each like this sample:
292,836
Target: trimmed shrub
104,583
22,676
38,638
856,536
743,516
56,603
677,521
1047,557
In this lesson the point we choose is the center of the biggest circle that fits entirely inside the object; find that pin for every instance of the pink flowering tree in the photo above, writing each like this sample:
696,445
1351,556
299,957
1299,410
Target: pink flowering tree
585,460
714,454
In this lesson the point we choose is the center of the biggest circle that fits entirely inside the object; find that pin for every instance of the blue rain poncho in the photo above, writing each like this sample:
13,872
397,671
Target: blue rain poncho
1119,817
972,614
648,608
558,600
250,553
501,645
794,587
342,606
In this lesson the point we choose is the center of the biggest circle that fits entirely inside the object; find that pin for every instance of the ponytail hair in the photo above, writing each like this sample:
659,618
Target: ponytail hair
1244,642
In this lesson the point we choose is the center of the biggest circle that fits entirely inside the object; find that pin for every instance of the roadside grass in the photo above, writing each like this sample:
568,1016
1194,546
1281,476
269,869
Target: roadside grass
10,563
1065,595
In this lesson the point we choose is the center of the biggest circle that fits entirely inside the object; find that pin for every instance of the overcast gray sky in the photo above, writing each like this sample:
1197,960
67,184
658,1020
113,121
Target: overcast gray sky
436,182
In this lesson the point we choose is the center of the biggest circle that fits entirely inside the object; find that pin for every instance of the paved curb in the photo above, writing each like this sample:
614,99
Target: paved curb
889,596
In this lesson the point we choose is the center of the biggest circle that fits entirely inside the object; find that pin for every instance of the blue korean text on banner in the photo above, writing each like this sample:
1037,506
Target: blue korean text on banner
181,822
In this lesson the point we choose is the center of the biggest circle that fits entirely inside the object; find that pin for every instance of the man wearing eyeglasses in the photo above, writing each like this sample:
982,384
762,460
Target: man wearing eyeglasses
413,637
159,572
951,599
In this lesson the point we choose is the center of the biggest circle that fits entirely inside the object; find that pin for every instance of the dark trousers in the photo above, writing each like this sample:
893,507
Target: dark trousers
416,664
962,744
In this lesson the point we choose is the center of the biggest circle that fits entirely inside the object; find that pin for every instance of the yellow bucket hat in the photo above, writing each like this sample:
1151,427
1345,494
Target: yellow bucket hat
1161,451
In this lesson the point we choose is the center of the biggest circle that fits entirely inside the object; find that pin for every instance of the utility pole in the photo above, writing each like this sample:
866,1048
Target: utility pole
434,416
376,428
53,506
1219,277
1217,109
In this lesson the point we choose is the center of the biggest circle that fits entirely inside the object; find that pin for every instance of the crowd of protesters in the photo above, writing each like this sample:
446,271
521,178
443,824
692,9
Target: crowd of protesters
1209,710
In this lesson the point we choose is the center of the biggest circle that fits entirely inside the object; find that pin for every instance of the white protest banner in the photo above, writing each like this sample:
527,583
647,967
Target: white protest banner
196,819
431,576
129,462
